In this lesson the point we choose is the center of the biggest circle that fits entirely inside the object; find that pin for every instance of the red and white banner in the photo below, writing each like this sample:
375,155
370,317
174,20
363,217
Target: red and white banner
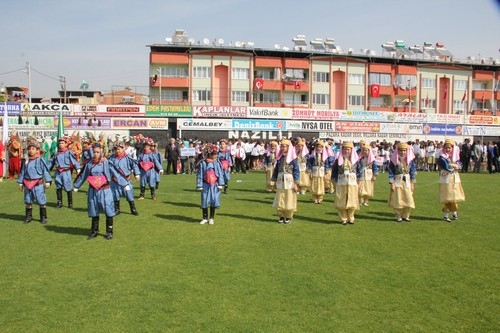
375,90
258,84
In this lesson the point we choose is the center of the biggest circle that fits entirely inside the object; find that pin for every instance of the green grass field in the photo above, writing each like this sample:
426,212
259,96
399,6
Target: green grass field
164,272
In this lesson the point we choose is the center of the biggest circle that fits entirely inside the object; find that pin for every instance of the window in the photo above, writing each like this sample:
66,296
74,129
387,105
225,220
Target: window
356,100
480,86
460,84
322,99
267,97
405,81
294,98
379,78
240,73
356,79
201,95
268,74
295,73
428,83
202,72
173,95
240,96
174,72
321,77
428,103
127,99
459,106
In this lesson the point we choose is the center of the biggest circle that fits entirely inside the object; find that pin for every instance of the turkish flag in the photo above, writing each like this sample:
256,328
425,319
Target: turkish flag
298,84
464,96
445,93
482,99
427,101
375,90
259,84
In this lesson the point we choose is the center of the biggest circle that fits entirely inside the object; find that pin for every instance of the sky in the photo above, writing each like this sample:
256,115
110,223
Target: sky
105,42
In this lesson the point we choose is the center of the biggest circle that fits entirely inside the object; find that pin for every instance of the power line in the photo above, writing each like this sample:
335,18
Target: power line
17,70
48,76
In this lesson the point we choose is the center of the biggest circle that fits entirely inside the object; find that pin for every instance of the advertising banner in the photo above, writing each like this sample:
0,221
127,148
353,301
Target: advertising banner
13,109
363,115
298,125
440,129
313,114
357,127
43,109
79,123
258,124
169,111
275,113
445,118
139,123
220,111
204,124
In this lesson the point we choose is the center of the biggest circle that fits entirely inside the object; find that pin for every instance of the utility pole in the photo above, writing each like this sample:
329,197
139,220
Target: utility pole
28,70
63,86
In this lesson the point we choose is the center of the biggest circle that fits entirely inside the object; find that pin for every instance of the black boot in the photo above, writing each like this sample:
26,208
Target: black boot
29,215
141,195
109,228
117,207
225,189
205,213
94,229
70,199
59,197
133,210
153,195
43,215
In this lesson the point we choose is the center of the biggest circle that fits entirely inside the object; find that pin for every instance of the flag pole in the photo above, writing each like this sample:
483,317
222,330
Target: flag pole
5,130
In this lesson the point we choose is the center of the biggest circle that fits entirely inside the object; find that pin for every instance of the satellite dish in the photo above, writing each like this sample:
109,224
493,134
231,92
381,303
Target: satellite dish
191,40
168,39
284,77
221,41
250,44
277,46
237,43
285,48
206,41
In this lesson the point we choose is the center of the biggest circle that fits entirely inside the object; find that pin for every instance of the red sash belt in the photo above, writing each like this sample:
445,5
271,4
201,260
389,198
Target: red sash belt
98,182
31,183
146,166
225,164
62,169
210,177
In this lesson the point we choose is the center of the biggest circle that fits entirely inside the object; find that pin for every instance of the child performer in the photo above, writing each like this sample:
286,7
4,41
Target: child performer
270,163
302,157
318,168
402,176
286,177
150,166
329,187
99,173
344,175
63,161
210,180
450,187
35,179
226,162
368,174
128,167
